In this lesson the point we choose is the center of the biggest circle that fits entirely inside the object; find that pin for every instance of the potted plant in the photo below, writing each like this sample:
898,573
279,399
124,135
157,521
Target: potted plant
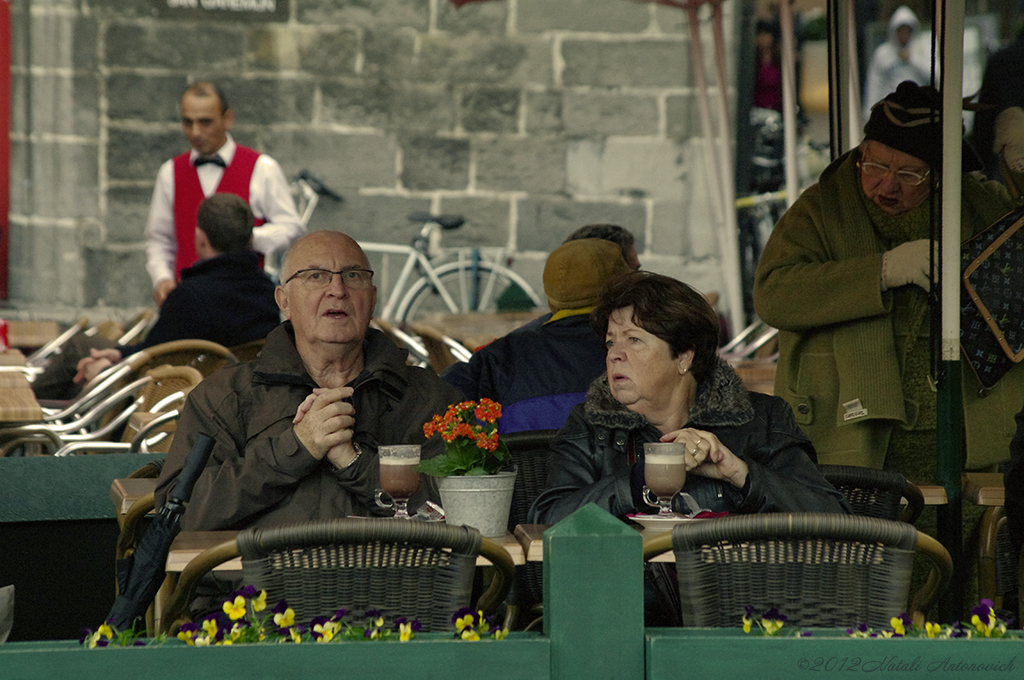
474,490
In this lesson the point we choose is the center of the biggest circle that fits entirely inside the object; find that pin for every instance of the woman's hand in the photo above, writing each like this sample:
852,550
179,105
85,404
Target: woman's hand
708,457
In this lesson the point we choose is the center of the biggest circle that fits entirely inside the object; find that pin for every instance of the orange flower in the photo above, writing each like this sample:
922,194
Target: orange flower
466,427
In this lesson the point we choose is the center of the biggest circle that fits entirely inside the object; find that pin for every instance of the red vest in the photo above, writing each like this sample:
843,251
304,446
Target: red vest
188,194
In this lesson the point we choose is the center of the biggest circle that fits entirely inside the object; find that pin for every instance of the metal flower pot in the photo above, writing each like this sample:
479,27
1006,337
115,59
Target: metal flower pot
480,501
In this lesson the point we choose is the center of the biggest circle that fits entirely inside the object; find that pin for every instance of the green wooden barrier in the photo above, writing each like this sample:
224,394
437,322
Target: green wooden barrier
594,620
593,597
729,654
521,656
44,488
57,537
593,630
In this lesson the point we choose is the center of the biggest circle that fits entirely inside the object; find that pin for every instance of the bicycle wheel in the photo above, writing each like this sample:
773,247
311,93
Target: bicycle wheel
470,290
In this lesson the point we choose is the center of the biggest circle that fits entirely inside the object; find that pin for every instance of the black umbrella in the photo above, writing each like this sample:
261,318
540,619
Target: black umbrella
140,574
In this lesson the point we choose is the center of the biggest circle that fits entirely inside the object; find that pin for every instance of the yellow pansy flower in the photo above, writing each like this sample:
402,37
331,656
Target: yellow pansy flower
897,625
286,619
259,603
235,609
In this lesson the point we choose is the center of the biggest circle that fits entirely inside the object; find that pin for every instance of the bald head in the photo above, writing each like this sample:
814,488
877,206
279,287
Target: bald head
304,252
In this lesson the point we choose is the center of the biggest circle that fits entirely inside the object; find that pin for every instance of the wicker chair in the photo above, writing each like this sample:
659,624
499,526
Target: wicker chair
100,422
138,328
248,351
417,353
128,420
442,350
420,570
40,357
997,562
876,493
530,454
819,569
151,425
203,355
109,329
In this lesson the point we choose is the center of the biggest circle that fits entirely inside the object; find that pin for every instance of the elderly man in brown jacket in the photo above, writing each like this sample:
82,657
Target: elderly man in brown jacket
297,429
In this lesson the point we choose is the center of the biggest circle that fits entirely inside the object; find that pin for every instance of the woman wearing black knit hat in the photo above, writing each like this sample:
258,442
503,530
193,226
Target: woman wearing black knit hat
845,278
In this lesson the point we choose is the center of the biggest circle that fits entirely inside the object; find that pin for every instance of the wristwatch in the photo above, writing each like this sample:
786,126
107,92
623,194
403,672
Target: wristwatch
359,451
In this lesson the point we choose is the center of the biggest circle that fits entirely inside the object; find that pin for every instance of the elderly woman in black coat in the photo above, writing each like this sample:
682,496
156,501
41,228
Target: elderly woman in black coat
664,382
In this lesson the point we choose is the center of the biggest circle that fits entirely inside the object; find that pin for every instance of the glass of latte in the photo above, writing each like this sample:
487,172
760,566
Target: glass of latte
399,474
665,472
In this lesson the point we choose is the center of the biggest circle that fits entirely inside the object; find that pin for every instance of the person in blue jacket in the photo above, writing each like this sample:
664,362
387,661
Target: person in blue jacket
539,372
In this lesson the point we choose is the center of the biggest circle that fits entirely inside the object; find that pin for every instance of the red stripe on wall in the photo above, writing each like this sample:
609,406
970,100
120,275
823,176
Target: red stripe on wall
5,137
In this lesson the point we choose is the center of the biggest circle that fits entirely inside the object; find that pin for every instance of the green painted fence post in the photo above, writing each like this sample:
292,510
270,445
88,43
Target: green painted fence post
593,597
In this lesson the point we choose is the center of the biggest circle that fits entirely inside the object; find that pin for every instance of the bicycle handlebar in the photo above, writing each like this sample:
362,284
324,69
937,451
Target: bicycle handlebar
318,186
446,221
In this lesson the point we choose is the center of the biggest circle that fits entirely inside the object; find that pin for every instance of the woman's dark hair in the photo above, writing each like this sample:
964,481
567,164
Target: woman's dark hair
666,308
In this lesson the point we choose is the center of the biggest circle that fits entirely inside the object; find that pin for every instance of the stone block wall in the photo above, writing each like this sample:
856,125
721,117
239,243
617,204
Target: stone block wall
530,117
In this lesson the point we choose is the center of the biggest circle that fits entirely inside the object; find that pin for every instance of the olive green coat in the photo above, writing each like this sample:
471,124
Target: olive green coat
819,282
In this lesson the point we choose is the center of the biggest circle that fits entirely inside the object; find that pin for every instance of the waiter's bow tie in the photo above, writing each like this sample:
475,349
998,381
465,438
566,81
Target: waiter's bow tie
216,160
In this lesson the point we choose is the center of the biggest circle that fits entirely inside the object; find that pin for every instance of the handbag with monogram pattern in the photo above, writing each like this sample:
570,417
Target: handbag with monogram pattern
992,300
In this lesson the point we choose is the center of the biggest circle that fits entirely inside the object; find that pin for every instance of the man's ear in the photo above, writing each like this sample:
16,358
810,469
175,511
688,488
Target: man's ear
203,247
282,301
229,120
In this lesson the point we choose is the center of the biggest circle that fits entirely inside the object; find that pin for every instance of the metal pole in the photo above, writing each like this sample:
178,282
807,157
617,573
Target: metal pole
949,20
842,77
789,100
720,181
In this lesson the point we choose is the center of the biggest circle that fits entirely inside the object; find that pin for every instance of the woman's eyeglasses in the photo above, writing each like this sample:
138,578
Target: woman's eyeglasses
357,279
907,178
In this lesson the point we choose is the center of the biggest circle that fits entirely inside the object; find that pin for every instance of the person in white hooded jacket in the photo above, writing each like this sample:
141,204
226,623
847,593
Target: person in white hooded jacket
893,62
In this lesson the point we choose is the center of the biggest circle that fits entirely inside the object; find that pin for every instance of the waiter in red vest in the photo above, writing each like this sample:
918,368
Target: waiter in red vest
214,164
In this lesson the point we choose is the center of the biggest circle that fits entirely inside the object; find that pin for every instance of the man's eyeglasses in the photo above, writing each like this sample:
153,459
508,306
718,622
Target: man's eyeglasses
356,279
907,178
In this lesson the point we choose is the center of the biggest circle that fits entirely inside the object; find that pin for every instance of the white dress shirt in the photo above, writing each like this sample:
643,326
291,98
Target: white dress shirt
269,196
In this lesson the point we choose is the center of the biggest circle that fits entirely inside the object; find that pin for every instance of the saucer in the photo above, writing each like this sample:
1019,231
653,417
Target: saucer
655,523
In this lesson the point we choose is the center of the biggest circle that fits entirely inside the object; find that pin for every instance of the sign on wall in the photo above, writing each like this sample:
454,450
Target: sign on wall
231,10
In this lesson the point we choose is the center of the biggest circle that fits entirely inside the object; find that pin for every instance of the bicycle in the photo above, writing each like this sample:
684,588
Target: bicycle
453,280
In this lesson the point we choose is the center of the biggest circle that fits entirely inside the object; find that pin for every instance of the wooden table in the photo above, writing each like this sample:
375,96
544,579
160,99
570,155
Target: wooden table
478,328
17,400
984,488
934,494
758,375
31,334
124,492
12,358
531,539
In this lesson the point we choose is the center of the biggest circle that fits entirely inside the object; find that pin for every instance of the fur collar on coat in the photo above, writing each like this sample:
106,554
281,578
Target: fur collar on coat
722,400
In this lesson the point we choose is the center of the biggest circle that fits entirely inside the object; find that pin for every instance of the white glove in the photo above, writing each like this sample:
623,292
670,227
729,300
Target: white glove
907,263
1009,138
